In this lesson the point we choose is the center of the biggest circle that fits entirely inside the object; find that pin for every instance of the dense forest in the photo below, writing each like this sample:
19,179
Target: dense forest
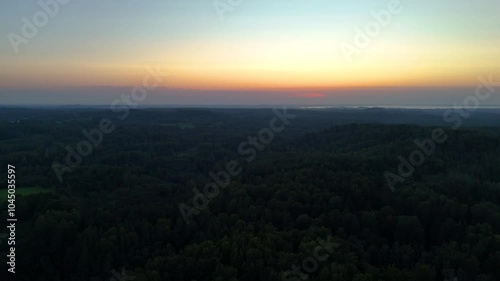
312,204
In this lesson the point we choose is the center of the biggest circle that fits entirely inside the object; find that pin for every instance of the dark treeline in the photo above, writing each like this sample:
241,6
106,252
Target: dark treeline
321,178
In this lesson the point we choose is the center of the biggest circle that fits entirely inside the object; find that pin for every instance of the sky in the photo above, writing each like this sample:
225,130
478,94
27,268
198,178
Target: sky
423,52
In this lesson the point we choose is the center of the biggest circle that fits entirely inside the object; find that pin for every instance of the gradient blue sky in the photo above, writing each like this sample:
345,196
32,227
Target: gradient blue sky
263,52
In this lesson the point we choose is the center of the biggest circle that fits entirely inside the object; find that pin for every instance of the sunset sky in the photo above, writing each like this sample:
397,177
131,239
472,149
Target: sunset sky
262,52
